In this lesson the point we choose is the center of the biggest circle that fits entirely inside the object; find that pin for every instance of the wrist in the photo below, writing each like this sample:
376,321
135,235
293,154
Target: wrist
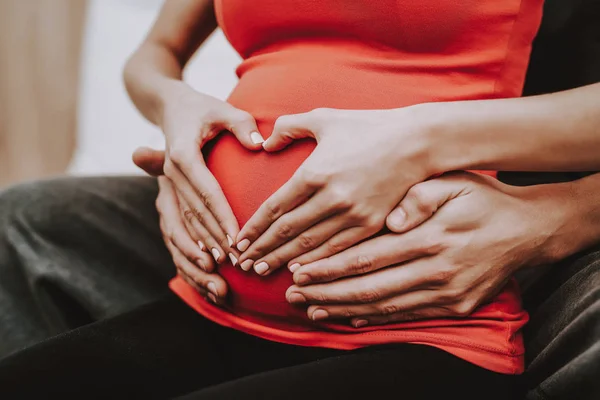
418,143
565,221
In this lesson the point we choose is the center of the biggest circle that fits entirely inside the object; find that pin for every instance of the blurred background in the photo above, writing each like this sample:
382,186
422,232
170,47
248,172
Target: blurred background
63,106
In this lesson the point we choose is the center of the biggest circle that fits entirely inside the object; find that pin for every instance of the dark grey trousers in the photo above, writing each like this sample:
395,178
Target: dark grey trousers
77,250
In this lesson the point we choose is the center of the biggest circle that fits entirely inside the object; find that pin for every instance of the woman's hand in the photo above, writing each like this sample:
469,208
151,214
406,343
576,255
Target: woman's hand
189,120
364,163
458,239
193,265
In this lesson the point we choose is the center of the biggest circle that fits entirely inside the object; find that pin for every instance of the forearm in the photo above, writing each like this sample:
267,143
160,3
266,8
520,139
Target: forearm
555,132
575,208
154,71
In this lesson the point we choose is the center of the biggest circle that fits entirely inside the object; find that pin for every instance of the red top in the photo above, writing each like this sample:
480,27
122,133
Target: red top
361,54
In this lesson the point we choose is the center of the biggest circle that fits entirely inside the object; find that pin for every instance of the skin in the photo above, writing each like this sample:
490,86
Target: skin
337,188
454,242
339,198
153,77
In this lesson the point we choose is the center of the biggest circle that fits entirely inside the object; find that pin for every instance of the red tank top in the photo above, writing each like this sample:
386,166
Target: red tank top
361,54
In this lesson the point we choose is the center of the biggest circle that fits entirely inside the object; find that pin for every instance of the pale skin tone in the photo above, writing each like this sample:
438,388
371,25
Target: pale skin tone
462,237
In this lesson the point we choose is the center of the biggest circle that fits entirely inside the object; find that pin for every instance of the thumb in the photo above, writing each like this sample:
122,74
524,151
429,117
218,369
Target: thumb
287,129
150,160
421,202
243,125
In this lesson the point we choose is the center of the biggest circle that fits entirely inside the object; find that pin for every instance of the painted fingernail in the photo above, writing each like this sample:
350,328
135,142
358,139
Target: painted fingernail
247,265
201,245
319,315
256,138
294,267
261,268
243,245
201,265
212,298
215,253
302,279
296,298
360,323
212,288
233,259
229,240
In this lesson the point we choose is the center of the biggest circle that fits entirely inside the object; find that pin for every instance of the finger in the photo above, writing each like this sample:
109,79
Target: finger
213,283
200,239
306,241
369,288
175,229
409,303
208,190
337,244
195,219
369,256
150,160
297,221
288,128
289,196
430,312
243,125
215,239
422,201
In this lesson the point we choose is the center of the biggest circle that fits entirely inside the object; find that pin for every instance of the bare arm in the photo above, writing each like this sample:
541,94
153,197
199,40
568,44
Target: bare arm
553,132
154,71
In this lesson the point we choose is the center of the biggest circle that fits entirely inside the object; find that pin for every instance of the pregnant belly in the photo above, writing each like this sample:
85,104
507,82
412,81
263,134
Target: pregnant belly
248,179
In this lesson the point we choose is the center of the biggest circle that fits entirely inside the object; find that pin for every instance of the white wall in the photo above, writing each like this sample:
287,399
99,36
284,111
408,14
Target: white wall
110,128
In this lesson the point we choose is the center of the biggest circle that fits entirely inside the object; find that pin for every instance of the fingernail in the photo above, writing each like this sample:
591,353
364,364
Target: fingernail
247,265
212,298
201,265
229,240
397,217
294,267
360,323
319,314
212,288
233,259
302,279
215,254
201,245
261,268
295,298
256,138
243,245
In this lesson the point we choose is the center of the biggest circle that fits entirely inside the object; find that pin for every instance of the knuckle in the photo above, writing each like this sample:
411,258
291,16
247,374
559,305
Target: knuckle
340,198
314,179
368,296
283,122
207,198
443,275
306,242
348,313
361,265
168,167
463,308
179,154
334,246
388,309
241,117
284,230
189,215
273,209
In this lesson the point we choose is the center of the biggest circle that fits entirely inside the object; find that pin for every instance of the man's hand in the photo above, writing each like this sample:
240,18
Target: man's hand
457,240
364,163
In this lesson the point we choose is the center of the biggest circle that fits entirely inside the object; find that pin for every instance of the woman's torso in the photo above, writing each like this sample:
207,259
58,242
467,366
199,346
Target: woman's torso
360,54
